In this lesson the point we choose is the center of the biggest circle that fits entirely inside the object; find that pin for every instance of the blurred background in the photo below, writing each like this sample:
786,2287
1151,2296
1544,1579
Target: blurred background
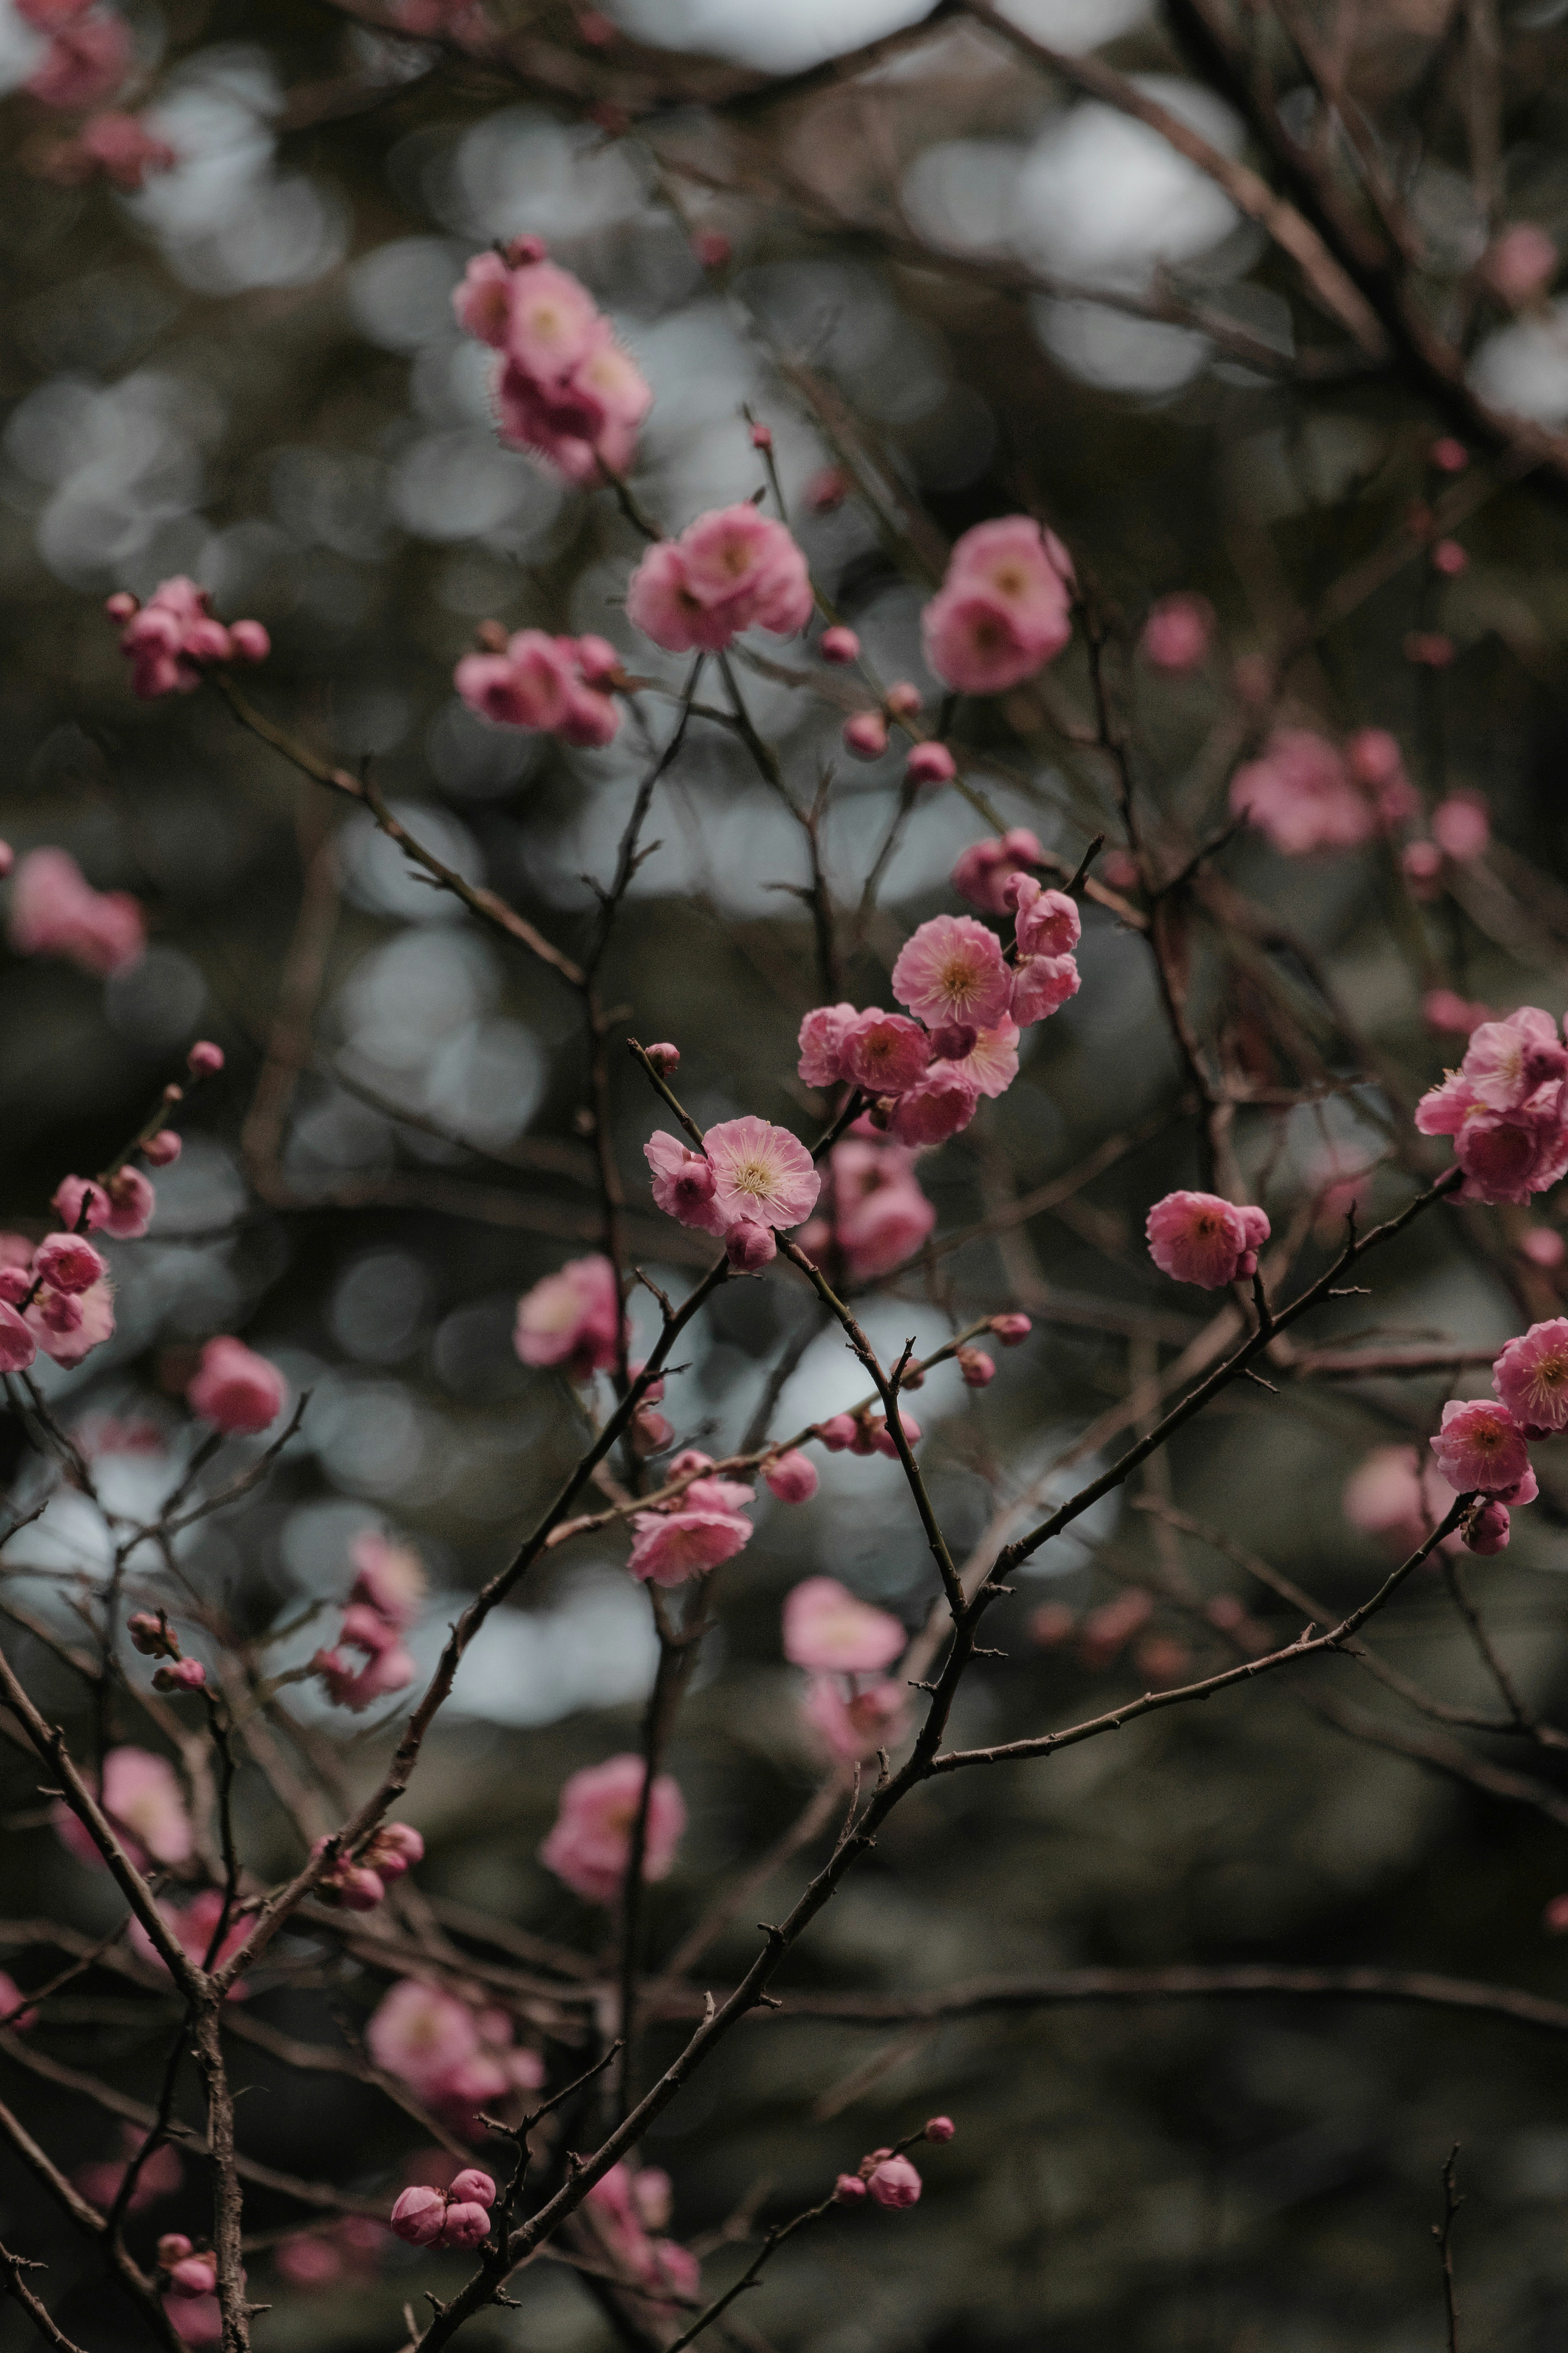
955,285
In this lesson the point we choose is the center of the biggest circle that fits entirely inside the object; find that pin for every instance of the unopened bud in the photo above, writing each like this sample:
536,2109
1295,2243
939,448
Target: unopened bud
848,2188
205,1060
184,1675
1011,1330
761,436
903,699
939,2128
977,1368
664,1058
123,605
524,249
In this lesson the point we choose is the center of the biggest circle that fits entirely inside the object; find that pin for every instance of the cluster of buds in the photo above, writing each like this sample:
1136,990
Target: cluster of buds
886,2175
174,637
187,2272
864,1432
358,1882
866,732
456,2217
152,1635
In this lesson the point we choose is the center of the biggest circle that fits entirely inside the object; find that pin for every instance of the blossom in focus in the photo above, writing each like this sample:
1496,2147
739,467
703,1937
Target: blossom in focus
1305,796
540,682
122,1207
1041,987
119,145
174,637
234,1389
1505,1108
1198,1238
941,1105
562,386
683,1182
1046,922
1531,1376
1178,632
572,1319
1489,1531
1002,611
982,870
852,1722
732,569
88,58
456,2217
1519,265
952,970
761,1171
1480,1446
894,2182
144,1799
1398,1497
687,1541
885,1053
590,1843
829,1629
54,911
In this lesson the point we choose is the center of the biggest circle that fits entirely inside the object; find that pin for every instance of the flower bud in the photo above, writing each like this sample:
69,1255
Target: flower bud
903,699
953,1041
1449,559
1489,1531
193,2276
712,247
1449,457
248,641
939,2128
123,605
848,2188
977,1368
162,1149
838,645
472,2188
750,1246
791,1477
865,735
173,2247
184,1675
524,249
761,436
885,1443
931,764
895,2182
664,1058
1011,1330
419,2216
205,1060
150,1635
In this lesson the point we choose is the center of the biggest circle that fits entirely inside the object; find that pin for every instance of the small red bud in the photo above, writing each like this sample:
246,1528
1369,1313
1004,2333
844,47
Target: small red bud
939,2128
665,1058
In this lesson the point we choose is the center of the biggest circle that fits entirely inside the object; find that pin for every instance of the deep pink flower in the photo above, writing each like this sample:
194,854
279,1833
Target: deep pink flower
234,1389
572,1319
563,386
760,1171
419,2216
943,1103
885,1053
1481,1445
67,1262
1046,923
983,869
590,1843
1531,1376
991,1064
851,1723
895,2182
54,911
951,970
684,1183
1507,1155
822,1036
1198,1238
791,1477
1041,987
865,734
829,1629
1178,632
144,1799
670,1546
731,569
1489,1531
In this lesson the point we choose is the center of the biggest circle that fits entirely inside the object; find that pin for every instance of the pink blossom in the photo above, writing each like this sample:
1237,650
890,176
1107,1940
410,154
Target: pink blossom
1531,1376
1449,457
389,1579
884,1441
483,302
929,764
983,869
670,1546
551,322
572,1319
1041,987
1301,795
951,970
943,1103
1046,922
234,1389
1445,1010
791,1477
389,1669
86,60
18,1348
541,682
1178,632
881,1217
68,1326
419,2216
590,1844
1375,762
54,911
895,2182
1509,1130
991,1064
748,1247
162,1149
192,2274
1480,1445
838,645
143,1798
1003,610
67,1262
123,1207
174,637
731,569
563,386
885,1053
1012,1330
1519,265
822,1036
853,1723
196,2320
1198,1238
760,1171
865,734
1460,827
623,2206
422,2035
829,1629
1398,1497
1449,559
684,1183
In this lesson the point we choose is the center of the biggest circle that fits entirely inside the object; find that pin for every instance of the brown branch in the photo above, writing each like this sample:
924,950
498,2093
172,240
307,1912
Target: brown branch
38,2313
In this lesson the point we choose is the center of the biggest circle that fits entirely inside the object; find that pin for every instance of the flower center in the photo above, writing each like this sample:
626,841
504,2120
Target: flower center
751,1177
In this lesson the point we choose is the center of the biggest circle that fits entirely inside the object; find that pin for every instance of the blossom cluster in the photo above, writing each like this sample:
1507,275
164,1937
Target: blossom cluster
383,1604
749,1179
173,638
564,387
458,2216
454,2059
572,1319
880,1214
732,569
358,1882
1506,1107
590,1844
57,1296
553,685
631,2212
851,1706
1004,608
1306,794
696,1530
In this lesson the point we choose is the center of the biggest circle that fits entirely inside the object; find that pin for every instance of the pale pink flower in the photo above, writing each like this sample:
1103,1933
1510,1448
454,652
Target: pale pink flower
885,1053
420,2034
1178,632
1041,987
1531,1376
895,2182
1481,1445
822,1036
1198,1238
974,644
54,911
1462,827
791,1477
234,1389
983,869
941,1105
852,1724
1046,922
1543,1246
1519,265
991,1065
731,569
19,1347
68,1326
670,1546
1303,796
572,1319
951,970
483,302
760,1171
684,1183
86,61
563,386
590,1844
1003,610
1398,1497
1507,1060
882,1215
551,322
144,1799
830,1630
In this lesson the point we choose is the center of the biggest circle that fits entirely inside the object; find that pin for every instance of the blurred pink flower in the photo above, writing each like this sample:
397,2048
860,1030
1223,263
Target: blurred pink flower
540,682
1461,826
853,1722
590,1843
54,911
572,1319
88,58
1520,264
144,1799
982,870
830,1630
1531,1376
882,1216
1178,632
1002,611
732,569
159,2178
234,1389
1398,1497
121,146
